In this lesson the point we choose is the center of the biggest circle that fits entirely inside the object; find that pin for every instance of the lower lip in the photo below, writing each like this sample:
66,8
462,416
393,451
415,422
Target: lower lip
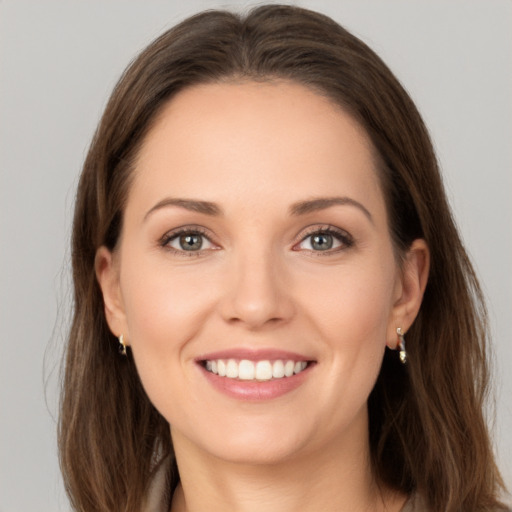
254,390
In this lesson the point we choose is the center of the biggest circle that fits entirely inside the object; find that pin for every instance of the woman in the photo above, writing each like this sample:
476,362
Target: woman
259,216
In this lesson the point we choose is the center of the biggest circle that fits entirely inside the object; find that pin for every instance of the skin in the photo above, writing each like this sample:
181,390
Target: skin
255,150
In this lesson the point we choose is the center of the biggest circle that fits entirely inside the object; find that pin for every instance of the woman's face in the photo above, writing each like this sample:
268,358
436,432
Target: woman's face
255,234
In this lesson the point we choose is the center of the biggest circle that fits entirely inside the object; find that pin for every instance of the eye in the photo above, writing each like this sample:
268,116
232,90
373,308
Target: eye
324,240
187,241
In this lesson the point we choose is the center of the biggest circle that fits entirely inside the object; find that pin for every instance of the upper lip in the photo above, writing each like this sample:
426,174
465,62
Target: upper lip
254,355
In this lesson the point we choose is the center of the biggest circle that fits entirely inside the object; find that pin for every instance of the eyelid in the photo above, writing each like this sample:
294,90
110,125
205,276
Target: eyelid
173,234
344,237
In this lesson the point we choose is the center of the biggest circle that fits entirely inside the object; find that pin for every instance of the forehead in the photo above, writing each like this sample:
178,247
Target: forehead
270,142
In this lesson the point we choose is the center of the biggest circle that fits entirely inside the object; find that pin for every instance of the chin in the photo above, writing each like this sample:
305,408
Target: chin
244,444
258,453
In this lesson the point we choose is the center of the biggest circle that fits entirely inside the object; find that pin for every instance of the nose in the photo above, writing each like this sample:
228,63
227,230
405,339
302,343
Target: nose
258,292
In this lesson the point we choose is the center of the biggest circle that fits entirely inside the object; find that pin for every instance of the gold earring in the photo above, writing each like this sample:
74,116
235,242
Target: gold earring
122,346
401,345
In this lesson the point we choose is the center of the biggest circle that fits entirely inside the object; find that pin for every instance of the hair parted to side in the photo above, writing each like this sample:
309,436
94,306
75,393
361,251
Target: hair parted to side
427,427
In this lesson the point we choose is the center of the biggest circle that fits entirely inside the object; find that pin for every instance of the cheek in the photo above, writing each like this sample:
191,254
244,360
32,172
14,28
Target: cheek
162,306
164,314
351,312
352,305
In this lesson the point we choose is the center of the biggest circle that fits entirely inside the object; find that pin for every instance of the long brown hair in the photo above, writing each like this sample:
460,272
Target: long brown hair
427,428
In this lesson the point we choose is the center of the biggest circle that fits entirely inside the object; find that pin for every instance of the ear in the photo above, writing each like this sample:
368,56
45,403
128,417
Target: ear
107,273
409,291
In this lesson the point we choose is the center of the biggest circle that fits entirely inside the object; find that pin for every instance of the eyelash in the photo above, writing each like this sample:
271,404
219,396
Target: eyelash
345,239
340,235
187,230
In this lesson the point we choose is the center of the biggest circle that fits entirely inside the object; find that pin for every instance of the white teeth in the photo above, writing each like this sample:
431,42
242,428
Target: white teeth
278,370
246,370
288,368
263,370
232,369
299,366
254,370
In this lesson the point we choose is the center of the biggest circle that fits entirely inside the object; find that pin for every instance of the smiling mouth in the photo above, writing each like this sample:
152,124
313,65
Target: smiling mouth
259,371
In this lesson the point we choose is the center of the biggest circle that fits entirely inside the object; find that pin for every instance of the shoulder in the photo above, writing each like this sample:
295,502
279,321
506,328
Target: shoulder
157,498
415,504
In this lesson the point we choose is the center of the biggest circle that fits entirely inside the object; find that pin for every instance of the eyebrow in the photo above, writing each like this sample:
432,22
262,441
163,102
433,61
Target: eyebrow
322,203
296,209
193,205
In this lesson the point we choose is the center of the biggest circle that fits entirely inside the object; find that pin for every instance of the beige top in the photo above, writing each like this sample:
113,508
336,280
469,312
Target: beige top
157,499
414,504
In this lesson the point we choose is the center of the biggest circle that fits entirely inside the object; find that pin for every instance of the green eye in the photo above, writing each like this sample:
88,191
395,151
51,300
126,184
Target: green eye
328,239
187,241
190,242
321,242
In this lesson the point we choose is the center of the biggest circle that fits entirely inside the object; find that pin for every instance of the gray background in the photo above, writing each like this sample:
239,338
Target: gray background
58,63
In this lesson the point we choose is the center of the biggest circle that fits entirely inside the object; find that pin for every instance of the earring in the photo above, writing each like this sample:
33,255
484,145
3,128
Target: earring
122,346
401,345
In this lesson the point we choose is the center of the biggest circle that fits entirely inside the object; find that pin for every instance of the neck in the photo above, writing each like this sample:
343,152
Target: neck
339,478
